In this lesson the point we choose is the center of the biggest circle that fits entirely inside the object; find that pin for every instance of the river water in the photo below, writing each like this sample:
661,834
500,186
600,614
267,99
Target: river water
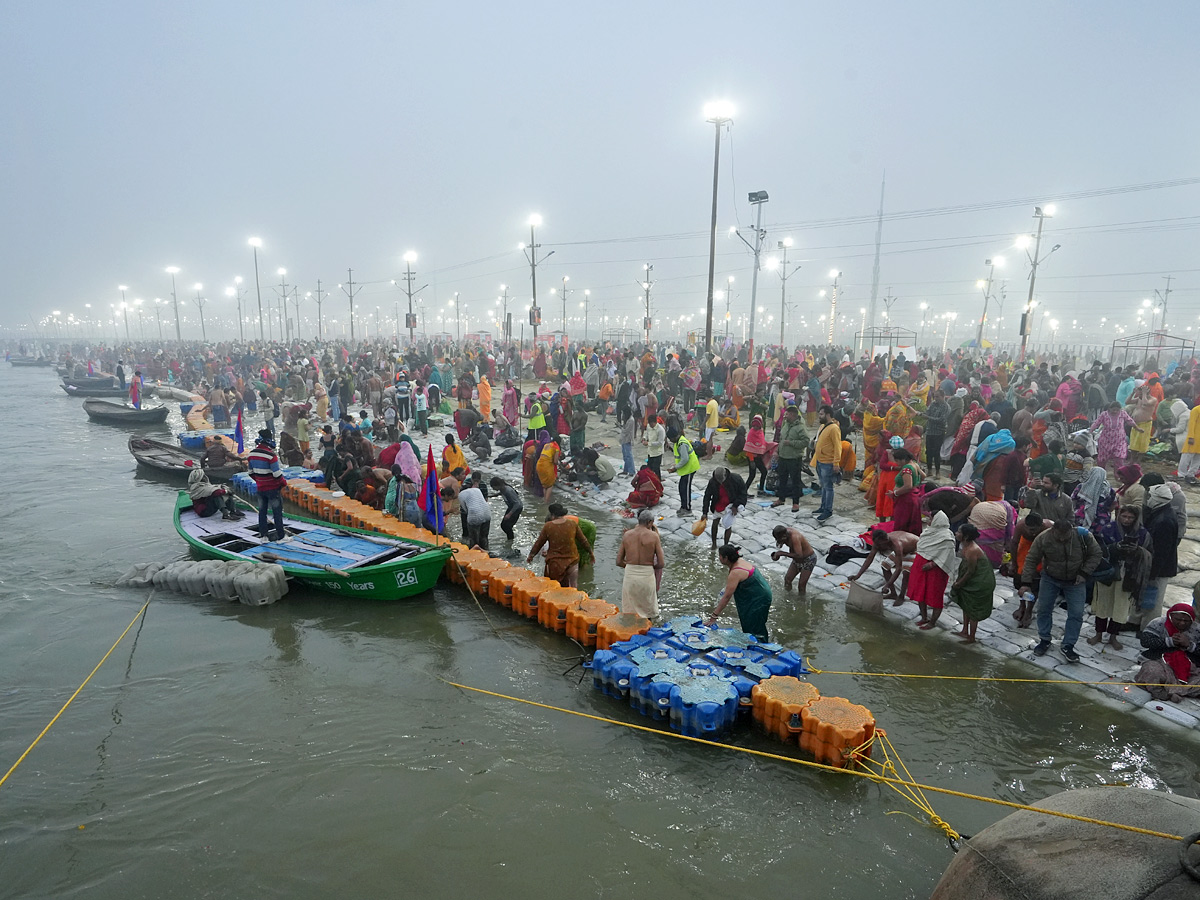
313,748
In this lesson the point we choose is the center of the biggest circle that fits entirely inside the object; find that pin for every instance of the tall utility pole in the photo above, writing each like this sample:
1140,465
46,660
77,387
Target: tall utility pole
531,254
320,297
784,275
878,246
1163,295
587,296
411,320
719,115
283,298
986,284
296,303
646,284
237,288
174,270
565,279
1034,260
506,327
349,291
256,243
757,199
200,301
835,275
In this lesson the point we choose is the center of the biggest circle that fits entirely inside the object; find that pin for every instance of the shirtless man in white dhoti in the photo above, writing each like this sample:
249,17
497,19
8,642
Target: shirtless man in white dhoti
641,556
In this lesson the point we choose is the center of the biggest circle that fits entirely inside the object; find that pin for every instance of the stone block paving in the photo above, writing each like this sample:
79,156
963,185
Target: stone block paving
998,634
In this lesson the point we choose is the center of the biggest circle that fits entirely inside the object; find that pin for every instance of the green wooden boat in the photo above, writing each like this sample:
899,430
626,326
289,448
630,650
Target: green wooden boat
344,561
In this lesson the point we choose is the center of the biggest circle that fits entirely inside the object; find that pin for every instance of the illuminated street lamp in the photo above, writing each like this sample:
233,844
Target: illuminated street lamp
531,253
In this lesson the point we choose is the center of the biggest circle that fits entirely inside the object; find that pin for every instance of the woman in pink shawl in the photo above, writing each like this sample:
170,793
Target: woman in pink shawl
758,451
406,459
510,402
1070,392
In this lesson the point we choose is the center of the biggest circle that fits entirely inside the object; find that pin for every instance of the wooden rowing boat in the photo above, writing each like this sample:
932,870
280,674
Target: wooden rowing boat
40,362
173,460
120,414
343,561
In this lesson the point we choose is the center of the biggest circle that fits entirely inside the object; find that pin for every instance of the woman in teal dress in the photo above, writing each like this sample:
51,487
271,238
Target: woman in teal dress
976,583
749,590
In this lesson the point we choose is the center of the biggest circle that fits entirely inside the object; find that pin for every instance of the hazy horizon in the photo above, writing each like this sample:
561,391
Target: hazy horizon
143,136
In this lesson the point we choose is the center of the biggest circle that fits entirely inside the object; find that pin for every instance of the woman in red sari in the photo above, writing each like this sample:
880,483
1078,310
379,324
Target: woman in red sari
886,481
647,489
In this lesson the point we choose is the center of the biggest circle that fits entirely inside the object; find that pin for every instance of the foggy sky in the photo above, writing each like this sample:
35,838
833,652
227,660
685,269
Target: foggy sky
140,135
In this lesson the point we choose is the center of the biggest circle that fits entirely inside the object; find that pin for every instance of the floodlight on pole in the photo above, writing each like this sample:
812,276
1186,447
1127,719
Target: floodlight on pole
718,113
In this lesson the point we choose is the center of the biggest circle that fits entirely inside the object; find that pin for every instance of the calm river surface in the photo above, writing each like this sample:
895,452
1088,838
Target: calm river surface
312,749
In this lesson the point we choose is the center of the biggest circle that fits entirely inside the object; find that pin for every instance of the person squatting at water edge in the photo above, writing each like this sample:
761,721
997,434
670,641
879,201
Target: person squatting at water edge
749,590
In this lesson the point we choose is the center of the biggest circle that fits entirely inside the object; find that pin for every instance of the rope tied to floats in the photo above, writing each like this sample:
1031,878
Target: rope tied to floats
71,699
892,781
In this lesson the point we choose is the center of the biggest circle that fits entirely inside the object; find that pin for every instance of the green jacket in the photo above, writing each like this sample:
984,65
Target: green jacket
793,439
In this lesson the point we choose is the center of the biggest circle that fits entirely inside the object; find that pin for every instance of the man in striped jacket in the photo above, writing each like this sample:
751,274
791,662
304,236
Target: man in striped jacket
264,468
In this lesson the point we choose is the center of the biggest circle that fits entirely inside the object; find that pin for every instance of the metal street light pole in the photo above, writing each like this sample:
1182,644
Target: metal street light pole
200,306
320,298
173,270
718,114
122,288
646,285
348,290
506,329
784,275
1041,214
410,257
987,295
757,199
835,275
256,243
530,250
586,299
285,332
565,279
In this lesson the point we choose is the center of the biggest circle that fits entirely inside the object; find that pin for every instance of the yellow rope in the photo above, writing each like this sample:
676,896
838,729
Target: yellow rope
28,749
883,779
815,671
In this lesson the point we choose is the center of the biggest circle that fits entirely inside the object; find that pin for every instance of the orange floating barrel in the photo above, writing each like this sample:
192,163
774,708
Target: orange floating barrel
833,727
619,627
479,571
583,616
526,594
552,607
500,583
777,704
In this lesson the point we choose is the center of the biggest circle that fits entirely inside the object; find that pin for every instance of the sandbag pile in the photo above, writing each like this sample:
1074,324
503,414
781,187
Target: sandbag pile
252,584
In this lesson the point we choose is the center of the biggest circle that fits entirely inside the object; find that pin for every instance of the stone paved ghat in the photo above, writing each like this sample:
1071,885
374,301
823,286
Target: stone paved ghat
997,634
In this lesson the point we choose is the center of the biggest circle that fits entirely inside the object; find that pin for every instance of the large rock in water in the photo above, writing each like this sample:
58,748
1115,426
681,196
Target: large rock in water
1035,857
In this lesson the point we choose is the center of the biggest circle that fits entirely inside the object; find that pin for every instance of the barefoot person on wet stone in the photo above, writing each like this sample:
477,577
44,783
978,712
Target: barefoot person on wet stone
799,551
895,546
975,584
641,556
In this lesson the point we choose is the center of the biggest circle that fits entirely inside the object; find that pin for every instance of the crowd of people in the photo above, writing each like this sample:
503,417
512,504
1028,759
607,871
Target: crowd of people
1065,480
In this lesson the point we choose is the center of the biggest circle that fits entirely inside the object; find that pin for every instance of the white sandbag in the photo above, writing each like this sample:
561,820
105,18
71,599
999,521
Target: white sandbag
261,585
139,576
